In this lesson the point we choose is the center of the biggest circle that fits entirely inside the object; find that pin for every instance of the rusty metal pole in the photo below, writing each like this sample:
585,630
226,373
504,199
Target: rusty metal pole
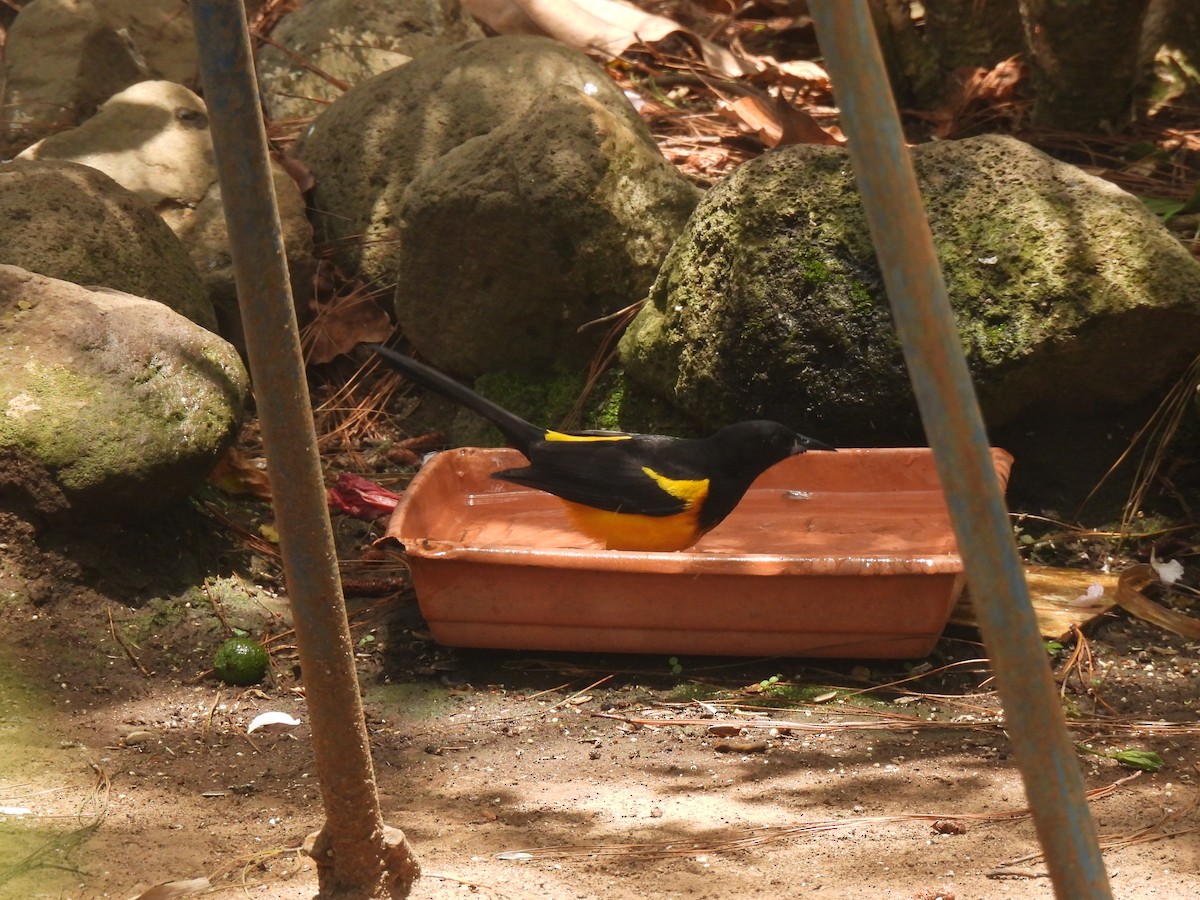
955,428
356,854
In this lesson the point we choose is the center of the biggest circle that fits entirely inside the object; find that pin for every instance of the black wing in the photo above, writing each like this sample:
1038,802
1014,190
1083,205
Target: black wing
610,475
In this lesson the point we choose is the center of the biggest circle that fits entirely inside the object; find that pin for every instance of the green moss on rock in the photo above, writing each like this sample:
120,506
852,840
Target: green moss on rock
113,402
1069,295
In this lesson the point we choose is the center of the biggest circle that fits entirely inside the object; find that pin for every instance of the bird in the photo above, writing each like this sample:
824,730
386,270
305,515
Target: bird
647,492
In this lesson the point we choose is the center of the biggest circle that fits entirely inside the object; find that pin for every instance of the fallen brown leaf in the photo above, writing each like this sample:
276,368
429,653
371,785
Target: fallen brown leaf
410,451
972,90
298,169
798,72
343,323
235,473
607,26
775,121
1131,598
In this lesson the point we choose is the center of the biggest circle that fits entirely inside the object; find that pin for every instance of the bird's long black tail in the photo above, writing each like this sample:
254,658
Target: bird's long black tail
519,432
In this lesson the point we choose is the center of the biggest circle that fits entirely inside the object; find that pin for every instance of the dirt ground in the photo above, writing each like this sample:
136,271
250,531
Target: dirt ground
123,765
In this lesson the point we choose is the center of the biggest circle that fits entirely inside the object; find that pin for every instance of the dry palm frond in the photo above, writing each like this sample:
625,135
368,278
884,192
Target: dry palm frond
1154,439
617,322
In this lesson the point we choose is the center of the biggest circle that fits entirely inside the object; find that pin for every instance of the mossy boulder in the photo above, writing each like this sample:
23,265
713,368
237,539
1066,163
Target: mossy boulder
366,147
1071,298
110,405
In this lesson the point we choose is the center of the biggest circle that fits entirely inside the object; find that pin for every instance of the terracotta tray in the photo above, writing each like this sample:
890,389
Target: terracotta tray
830,554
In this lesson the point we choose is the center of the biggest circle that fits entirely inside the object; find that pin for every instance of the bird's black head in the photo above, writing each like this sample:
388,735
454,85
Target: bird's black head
748,449
738,454
759,444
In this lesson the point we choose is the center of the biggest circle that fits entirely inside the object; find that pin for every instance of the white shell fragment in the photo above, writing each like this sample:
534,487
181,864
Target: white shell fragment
1168,572
270,718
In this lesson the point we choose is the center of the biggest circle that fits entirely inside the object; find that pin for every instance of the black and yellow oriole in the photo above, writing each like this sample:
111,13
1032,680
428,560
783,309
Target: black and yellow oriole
630,491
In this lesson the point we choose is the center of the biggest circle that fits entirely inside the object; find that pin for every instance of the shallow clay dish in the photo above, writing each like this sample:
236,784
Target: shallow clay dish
829,554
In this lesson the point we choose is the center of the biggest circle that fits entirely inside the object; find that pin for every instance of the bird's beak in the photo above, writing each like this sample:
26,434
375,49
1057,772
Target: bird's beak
806,443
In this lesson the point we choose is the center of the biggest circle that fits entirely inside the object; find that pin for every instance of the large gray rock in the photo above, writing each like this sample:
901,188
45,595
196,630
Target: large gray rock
516,238
112,405
366,147
1071,297
205,234
73,222
153,138
63,58
161,34
510,191
322,43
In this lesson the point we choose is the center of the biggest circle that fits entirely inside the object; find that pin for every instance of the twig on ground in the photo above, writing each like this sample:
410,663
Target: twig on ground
112,629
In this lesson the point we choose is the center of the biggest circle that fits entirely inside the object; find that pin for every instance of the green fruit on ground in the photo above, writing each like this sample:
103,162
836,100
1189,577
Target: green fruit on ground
240,661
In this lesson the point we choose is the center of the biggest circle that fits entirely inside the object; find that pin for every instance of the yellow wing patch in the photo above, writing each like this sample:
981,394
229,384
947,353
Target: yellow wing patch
689,491
560,436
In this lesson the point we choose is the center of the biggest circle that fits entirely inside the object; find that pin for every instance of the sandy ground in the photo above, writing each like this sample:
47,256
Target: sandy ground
615,776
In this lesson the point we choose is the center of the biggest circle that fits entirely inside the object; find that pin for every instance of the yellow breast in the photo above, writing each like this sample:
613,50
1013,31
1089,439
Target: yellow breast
628,531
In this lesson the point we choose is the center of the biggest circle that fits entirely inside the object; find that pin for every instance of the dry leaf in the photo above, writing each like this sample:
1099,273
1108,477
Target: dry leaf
970,90
235,473
949,826
412,451
775,121
342,324
1055,594
742,747
1133,581
801,71
606,26
297,168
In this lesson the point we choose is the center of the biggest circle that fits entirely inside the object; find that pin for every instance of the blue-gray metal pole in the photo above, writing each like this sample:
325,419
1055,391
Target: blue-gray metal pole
356,854
954,426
